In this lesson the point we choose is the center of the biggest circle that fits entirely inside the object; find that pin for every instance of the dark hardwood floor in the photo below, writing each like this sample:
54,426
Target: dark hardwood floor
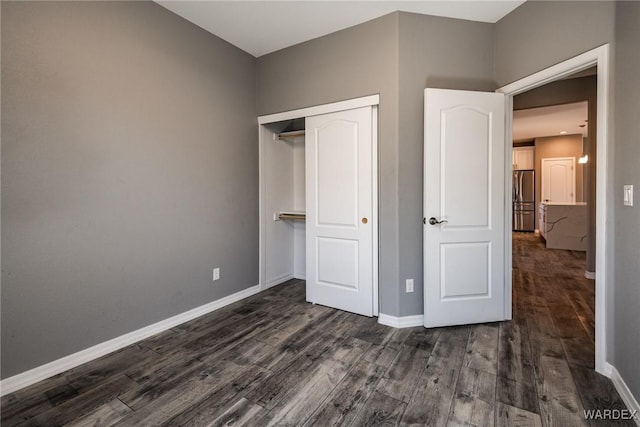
273,359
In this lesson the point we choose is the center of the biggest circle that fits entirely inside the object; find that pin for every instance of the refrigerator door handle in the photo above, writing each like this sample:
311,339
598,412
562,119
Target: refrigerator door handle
520,178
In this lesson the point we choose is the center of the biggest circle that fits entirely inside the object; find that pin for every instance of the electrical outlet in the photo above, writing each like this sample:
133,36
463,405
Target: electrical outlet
216,273
409,283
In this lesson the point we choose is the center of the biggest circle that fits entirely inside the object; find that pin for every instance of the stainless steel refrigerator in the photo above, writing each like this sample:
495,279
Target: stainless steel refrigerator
524,200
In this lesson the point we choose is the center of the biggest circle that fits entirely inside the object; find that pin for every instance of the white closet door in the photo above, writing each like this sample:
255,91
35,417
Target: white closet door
339,173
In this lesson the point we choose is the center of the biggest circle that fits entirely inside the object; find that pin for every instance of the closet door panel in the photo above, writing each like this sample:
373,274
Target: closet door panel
339,229
336,164
337,261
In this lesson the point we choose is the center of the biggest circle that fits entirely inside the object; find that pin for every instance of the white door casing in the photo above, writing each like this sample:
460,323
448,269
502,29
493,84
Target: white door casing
600,58
464,185
339,203
558,180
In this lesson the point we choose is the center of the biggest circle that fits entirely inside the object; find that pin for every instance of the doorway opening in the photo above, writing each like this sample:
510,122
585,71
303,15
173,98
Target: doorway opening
596,58
551,213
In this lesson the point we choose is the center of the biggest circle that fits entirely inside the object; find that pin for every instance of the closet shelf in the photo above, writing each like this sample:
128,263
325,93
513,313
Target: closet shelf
291,134
292,215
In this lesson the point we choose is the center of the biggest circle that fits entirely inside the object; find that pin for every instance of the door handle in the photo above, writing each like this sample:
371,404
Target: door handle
434,221
365,220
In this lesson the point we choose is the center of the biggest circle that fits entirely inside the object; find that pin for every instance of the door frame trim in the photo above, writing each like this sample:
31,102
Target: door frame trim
334,107
604,181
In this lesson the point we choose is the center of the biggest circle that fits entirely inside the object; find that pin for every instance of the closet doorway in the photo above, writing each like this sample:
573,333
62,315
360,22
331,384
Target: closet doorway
318,202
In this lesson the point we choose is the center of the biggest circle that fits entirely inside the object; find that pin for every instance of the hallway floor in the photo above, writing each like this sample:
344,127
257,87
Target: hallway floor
274,359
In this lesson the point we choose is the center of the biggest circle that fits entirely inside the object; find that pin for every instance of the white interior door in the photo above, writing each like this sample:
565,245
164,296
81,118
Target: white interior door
558,180
464,190
339,224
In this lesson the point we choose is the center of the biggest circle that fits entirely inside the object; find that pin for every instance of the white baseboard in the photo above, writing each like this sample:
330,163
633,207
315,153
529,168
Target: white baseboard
626,395
32,376
590,275
608,370
401,322
277,280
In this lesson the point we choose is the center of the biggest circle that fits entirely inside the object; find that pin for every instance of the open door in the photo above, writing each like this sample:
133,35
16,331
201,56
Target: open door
464,207
339,202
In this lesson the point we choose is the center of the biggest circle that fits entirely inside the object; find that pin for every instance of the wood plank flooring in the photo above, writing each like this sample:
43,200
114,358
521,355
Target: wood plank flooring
274,359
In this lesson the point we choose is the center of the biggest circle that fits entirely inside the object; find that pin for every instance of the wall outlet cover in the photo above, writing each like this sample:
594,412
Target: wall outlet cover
216,273
409,284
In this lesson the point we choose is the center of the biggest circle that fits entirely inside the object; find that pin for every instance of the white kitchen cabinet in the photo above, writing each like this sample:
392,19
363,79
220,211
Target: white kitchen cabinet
523,158
542,219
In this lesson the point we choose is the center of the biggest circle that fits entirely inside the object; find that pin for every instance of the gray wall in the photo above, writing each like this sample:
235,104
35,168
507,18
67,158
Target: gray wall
129,171
539,34
558,146
358,61
565,92
627,219
439,53
397,55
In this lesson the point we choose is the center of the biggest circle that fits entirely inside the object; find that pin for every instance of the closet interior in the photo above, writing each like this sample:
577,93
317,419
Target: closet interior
283,201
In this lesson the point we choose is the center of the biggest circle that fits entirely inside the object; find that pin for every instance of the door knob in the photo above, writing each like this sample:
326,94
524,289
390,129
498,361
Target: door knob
434,221
365,220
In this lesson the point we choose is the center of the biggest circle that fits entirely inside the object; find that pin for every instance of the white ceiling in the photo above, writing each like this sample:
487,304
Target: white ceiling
261,27
550,121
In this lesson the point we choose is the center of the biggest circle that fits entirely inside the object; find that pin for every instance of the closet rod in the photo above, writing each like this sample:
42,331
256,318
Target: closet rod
291,134
294,216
